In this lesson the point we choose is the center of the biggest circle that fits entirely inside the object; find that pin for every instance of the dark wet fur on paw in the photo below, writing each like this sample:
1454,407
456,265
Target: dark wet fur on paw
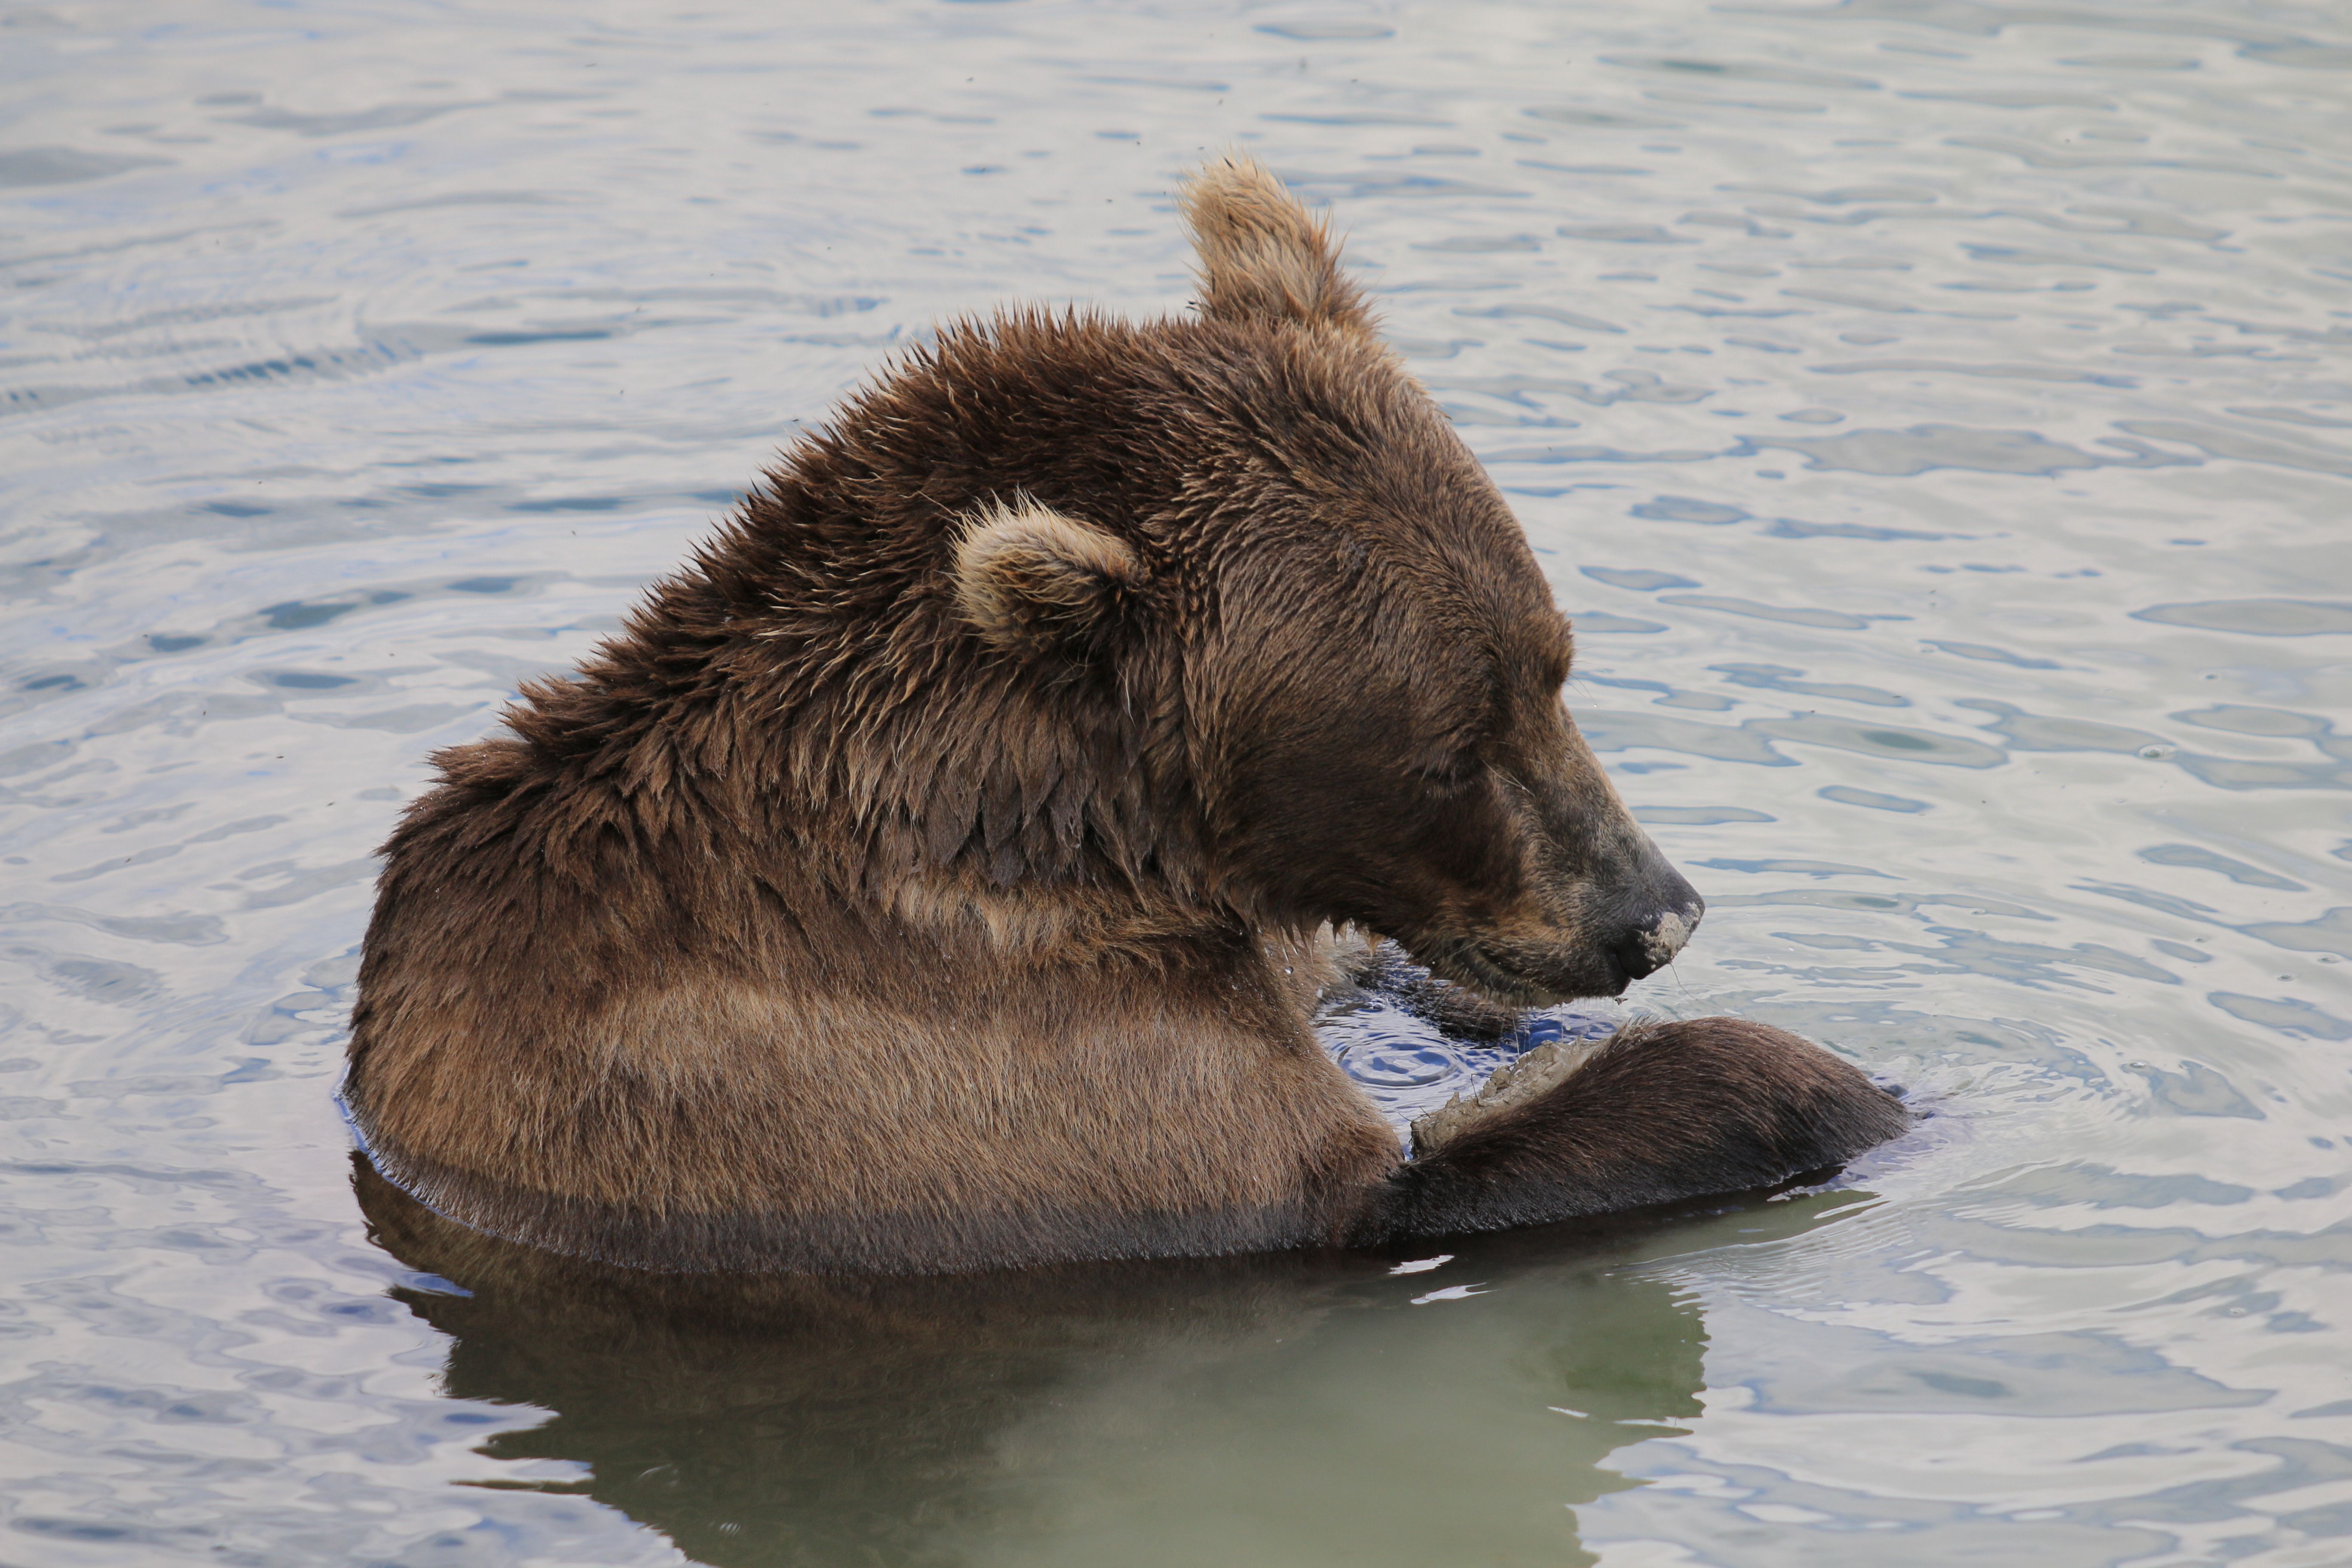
1656,1115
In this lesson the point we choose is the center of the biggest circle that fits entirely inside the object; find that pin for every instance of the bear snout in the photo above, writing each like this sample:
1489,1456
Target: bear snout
1659,923
1652,945
1539,960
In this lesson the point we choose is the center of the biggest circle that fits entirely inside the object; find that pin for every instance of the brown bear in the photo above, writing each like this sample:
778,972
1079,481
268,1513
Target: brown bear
942,870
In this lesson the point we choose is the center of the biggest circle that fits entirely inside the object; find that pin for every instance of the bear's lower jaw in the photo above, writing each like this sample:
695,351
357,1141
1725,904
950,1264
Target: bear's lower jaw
1507,978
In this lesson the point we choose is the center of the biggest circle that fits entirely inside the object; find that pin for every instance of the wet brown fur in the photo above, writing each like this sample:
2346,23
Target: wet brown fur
931,874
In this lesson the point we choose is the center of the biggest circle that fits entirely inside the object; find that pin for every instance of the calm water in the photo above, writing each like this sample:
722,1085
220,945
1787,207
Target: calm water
1937,414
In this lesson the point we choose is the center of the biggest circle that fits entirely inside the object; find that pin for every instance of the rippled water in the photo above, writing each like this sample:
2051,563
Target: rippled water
1936,413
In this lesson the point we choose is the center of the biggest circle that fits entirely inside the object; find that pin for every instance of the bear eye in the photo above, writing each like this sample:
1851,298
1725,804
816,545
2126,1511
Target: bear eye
1458,771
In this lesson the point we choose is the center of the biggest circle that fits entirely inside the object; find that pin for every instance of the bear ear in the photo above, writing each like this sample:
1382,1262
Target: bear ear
1039,585
1263,257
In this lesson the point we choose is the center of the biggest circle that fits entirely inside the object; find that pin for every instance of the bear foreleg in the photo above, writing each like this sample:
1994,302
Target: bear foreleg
1657,1114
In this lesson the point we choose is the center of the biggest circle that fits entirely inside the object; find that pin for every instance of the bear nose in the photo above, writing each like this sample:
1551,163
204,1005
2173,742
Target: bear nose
1652,944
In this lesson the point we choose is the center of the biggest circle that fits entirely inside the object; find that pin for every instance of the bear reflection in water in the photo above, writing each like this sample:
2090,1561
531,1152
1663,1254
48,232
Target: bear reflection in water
1292,1408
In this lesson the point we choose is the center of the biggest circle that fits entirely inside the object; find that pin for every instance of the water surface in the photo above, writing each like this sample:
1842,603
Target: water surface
1937,416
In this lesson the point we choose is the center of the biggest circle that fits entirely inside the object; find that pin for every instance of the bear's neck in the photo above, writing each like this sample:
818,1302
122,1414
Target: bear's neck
792,768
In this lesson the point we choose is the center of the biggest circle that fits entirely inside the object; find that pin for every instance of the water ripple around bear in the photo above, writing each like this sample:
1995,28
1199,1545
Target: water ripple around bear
1933,415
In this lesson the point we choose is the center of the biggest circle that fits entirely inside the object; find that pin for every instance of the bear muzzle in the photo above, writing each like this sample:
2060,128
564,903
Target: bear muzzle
1654,943
1595,951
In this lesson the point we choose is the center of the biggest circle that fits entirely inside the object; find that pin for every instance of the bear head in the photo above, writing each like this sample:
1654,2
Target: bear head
1216,612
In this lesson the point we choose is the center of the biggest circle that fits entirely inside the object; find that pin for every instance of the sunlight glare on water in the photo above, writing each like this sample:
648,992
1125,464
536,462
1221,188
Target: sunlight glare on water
1937,416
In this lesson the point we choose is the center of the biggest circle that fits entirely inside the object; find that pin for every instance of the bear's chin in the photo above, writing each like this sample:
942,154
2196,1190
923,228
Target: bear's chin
1513,977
